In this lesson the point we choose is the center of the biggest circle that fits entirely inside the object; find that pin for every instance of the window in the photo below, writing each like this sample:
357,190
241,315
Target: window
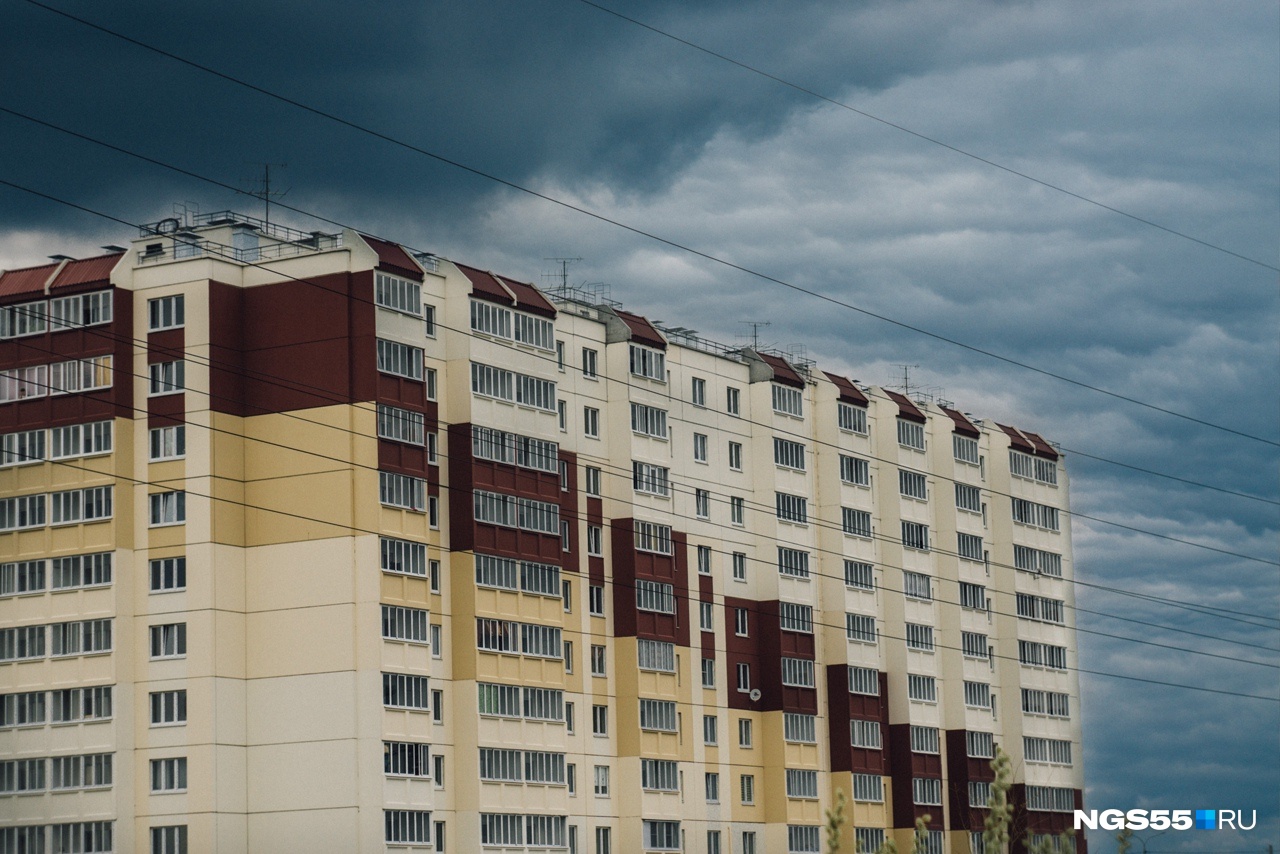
919,637
534,331
566,590
915,536
865,734
968,498
964,449
165,378
544,768
741,627
406,759
732,401
524,451
979,745
590,360
168,443
25,448
793,617
706,619
24,511
926,791
912,485
655,596
658,715
547,704
924,739
404,624
973,596
735,456
860,628
90,837
977,695
407,827
802,784
23,577
168,640
737,510
855,471
851,418
1035,560
604,840
916,585
90,771
648,420
870,839
429,320
29,318
397,294
22,709
80,505
169,775
562,413
792,508
660,775
922,688
168,508
1033,468
595,597
80,310
1050,799
431,384
969,547
402,691
648,363
593,481
788,454
800,729
803,839
169,840
490,319
650,479
597,660
708,673
699,392
699,447
702,503
651,537
710,730
595,546
1051,750
402,557
599,720
168,708
601,787
739,566
856,523
910,434
747,782
401,425
788,401
1051,703
83,637
859,575
743,670
78,705
974,645
656,655
748,842
798,672
1040,608
545,642
22,775
402,491
1038,654
437,649
864,680
1035,515
660,835
591,422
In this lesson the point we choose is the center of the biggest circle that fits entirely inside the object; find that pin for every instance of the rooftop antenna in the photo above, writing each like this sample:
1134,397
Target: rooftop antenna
263,189
563,274
906,379
756,326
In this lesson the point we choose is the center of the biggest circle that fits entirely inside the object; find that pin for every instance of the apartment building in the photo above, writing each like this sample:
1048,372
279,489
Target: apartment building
312,542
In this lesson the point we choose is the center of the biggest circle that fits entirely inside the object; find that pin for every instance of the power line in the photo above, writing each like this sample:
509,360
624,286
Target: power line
321,218
643,233
933,140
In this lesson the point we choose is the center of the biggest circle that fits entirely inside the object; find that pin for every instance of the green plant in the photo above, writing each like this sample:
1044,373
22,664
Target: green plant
995,832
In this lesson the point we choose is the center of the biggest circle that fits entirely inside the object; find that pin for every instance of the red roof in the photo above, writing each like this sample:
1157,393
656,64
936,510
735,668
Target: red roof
782,371
1043,448
393,258
849,392
906,409
642,331
963,425
486,286
1017,440
30,281
529,298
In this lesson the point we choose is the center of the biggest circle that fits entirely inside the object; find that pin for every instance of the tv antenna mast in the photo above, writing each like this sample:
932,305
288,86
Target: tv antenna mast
756,326
905,385
262,189
563,274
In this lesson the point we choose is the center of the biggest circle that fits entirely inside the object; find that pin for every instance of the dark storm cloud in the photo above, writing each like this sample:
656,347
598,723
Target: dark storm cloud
1164,109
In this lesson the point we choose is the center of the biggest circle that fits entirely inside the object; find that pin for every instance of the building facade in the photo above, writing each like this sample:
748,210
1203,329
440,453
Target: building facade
311,542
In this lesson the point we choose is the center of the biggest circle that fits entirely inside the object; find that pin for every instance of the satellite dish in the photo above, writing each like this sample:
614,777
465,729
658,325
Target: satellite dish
168,226
754,695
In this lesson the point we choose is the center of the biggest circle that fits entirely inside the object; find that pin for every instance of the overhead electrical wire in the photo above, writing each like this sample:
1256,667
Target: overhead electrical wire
340,224
674,244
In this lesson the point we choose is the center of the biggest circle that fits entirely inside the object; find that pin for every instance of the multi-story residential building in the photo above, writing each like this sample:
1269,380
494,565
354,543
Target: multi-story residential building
309,542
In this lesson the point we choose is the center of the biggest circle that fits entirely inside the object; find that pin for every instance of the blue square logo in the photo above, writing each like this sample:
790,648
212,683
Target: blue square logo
1206,819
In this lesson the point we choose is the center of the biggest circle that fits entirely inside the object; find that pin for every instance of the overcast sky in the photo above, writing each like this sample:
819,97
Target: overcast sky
1169,111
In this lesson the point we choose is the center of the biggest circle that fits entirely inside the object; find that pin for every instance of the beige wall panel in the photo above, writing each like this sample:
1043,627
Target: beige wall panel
326,830
304,507
303,776
319,707
301,575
